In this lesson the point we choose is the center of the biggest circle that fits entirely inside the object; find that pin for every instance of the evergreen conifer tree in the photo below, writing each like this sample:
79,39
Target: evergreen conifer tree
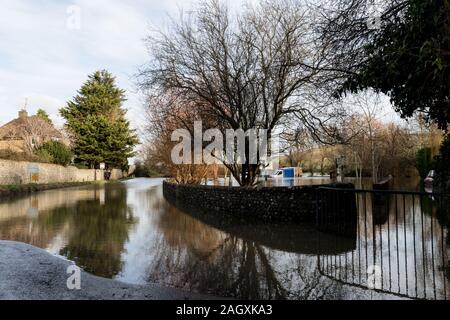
96,121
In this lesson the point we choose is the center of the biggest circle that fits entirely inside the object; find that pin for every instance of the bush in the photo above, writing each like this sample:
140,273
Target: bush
442,164
58,152
42,155
424,162
81,165
140,171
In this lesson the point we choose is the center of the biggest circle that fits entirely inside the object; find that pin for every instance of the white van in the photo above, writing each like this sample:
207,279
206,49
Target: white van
277,174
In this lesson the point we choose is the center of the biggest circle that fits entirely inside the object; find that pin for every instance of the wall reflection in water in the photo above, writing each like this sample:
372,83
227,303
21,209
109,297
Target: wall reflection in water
129,232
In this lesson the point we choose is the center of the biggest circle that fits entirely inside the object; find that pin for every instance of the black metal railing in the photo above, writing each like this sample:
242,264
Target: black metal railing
401,240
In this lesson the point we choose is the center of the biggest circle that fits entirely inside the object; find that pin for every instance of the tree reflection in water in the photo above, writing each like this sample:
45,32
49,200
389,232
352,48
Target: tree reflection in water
93,229
197,257
99,232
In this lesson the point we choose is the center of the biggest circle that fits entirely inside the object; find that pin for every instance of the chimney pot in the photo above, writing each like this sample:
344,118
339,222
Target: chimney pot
23,114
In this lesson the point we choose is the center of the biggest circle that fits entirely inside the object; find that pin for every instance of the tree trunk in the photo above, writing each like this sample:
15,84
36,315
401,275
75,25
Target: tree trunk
249,174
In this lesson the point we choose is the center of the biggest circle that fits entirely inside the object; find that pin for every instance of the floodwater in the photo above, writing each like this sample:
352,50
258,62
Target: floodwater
404,183
127,231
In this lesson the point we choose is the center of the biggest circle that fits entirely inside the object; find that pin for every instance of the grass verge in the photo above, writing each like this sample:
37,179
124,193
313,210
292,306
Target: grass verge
7,191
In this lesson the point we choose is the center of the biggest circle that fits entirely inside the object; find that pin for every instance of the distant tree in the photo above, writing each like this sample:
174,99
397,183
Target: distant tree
96,121
41,113
166,113
424,162
141,170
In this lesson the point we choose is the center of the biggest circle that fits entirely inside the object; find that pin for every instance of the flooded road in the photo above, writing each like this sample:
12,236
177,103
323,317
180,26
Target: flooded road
127,231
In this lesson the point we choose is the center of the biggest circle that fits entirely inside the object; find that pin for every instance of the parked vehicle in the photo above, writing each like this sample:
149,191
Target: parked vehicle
277,174
288,173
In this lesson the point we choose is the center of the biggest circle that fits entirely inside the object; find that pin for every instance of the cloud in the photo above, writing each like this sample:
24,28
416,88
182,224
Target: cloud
44,60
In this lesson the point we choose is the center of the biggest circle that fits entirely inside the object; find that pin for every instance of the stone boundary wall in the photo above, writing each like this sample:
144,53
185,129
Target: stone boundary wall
21,172
283,204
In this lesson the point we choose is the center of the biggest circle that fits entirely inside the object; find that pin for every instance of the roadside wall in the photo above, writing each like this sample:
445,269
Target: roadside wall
21,172
268,204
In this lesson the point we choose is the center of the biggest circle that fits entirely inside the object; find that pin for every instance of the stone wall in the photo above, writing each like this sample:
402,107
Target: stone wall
296,204
21,172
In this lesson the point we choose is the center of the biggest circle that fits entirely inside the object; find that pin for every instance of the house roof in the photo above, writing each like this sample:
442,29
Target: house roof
14,129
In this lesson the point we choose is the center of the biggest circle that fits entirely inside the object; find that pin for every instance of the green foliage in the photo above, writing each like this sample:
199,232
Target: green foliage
443,164
97,122
409,60
424,162
44,115
57,152
141,170
42,155
99,231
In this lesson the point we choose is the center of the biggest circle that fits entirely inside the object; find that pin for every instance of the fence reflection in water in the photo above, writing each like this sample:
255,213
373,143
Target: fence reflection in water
401,241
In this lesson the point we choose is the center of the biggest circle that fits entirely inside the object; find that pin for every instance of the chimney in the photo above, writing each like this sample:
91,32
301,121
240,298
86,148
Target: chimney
23,114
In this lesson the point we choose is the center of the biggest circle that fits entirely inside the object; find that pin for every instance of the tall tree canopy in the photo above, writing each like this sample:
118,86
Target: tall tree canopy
406,56
41,113
96,121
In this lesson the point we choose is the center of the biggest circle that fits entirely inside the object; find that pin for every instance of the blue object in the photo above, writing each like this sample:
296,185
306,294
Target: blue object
289,173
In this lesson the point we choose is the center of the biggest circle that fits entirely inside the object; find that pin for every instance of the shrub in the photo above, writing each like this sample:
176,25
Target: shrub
442,164
42,155
59,153
141,170
424,162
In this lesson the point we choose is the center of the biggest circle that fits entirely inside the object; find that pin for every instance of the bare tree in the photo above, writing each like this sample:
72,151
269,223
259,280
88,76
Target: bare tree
246,72
368,109
165,114
35,131
378,148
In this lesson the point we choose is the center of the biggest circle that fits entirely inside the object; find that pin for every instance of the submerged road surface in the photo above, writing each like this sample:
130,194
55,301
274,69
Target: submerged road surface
30,273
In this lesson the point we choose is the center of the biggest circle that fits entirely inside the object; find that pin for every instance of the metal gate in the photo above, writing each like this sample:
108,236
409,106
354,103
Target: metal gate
401,241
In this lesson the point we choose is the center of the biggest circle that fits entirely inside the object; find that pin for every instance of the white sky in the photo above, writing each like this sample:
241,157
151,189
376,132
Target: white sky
45,60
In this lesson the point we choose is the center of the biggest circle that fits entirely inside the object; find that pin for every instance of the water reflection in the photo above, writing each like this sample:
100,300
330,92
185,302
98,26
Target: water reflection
98,231
89,226
193,256
401,239
128,231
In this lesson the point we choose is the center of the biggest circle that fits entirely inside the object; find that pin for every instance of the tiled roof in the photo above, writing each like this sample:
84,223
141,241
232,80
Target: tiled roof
13,129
